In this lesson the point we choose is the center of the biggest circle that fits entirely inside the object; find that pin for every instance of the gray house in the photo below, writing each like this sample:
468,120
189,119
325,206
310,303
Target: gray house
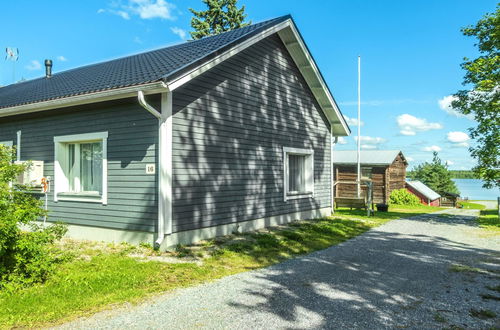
182,143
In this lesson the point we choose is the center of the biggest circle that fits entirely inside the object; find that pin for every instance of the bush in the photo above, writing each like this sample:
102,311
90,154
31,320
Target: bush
25,256
403,197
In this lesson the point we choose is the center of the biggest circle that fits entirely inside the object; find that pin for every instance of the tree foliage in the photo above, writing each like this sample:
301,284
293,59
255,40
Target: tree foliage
24,255
482,76
220,16
403,197
436,176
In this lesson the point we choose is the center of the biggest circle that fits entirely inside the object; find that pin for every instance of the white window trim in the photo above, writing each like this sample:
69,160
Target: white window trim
7,143
61,181
309,172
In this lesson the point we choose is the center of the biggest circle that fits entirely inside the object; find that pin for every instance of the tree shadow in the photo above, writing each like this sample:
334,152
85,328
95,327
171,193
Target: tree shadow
377,280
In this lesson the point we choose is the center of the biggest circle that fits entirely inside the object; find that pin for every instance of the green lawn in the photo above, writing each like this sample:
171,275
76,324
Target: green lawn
98,276
471,205
488,219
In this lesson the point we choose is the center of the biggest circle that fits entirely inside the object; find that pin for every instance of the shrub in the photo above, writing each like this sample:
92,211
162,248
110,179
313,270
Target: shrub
403,197
25,256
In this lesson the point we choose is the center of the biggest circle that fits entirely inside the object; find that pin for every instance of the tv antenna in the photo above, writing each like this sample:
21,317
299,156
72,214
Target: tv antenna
12,54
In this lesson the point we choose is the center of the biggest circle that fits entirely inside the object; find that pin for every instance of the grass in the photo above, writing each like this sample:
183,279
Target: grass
482,313
464,269
471,205
488,219
100,275
439,318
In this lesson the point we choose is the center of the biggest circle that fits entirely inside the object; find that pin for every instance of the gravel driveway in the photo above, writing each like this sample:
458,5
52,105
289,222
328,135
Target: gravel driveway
398,275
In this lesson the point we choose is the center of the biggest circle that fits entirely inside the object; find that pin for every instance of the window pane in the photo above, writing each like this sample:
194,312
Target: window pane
297,175
91,166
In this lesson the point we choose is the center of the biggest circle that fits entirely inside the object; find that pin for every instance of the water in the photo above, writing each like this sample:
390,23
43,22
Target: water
473,189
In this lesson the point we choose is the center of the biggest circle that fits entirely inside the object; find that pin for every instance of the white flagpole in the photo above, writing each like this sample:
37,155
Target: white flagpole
359,127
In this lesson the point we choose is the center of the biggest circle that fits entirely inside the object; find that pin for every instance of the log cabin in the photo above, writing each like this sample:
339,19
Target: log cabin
385,168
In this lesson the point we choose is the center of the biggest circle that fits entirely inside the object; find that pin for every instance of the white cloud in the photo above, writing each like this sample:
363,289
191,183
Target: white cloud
368,146
369,142
458,137
123,14
180,32
410,159
449,162
148,9
342,140
410,125
432,148
353,121
445,104
61,58
137,40
34,65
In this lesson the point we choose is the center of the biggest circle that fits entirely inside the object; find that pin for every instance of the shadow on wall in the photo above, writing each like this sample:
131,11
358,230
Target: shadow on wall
378,280
230,127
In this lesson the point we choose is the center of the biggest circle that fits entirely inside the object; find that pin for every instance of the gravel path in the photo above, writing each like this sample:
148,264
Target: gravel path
395,276
489,204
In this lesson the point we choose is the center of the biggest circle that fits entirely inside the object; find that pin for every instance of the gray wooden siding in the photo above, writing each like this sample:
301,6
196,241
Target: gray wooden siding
133,132
230,127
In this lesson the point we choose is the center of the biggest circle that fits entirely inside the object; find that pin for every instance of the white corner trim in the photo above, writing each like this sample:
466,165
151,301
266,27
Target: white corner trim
60,179
309,172
18,146
164,224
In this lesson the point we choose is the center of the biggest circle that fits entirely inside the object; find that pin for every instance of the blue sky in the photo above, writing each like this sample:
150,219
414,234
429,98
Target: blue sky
411,53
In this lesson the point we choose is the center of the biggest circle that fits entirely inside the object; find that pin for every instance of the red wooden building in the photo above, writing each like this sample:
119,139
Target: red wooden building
426,195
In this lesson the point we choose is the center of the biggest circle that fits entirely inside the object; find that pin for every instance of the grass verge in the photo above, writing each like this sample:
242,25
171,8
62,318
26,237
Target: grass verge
471,205
488,219
98,276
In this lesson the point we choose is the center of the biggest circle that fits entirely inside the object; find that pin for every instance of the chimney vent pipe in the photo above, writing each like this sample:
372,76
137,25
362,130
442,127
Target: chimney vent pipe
48,68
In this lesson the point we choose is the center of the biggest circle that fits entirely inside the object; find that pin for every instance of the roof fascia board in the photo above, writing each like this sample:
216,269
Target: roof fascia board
190,75
334,118
311,65
108,95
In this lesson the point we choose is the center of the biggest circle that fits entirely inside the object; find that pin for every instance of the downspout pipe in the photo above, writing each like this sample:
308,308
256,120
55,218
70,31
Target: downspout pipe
161,150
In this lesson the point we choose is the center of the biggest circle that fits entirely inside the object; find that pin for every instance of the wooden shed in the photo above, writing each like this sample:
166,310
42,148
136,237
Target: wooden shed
385,168
426,195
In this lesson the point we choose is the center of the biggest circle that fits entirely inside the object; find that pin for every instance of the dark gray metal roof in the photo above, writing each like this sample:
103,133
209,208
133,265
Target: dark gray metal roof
368,157
157,65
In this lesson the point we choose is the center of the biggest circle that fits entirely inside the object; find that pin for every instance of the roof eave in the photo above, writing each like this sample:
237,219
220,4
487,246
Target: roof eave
297,48
100,96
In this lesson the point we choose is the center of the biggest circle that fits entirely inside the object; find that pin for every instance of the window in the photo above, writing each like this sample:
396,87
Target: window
299,173
81,167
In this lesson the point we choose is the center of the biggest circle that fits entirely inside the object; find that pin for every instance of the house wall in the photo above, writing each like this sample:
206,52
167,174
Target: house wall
397,174
349,173
424,200
229,129
132,195
385,179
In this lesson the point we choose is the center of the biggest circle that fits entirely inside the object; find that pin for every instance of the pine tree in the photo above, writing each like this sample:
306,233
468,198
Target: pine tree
220,16
435,175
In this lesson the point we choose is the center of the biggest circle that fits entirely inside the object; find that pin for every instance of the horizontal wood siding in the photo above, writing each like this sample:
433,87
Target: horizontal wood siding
132,195
348,190
230,127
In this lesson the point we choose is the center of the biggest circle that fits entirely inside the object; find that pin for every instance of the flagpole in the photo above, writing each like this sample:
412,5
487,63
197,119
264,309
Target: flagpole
359,128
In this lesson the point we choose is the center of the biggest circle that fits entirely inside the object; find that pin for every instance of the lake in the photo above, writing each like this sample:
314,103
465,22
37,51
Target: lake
473,189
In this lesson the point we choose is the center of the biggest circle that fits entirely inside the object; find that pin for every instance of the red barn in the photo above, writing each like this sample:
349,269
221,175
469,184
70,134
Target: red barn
426,195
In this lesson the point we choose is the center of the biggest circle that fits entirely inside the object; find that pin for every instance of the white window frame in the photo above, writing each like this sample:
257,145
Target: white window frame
309,153
61,182
9,144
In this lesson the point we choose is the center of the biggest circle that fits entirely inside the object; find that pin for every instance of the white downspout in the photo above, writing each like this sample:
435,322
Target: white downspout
18,146
164,161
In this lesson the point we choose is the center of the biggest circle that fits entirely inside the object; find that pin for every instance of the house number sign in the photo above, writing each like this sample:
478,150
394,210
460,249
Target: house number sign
150,169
